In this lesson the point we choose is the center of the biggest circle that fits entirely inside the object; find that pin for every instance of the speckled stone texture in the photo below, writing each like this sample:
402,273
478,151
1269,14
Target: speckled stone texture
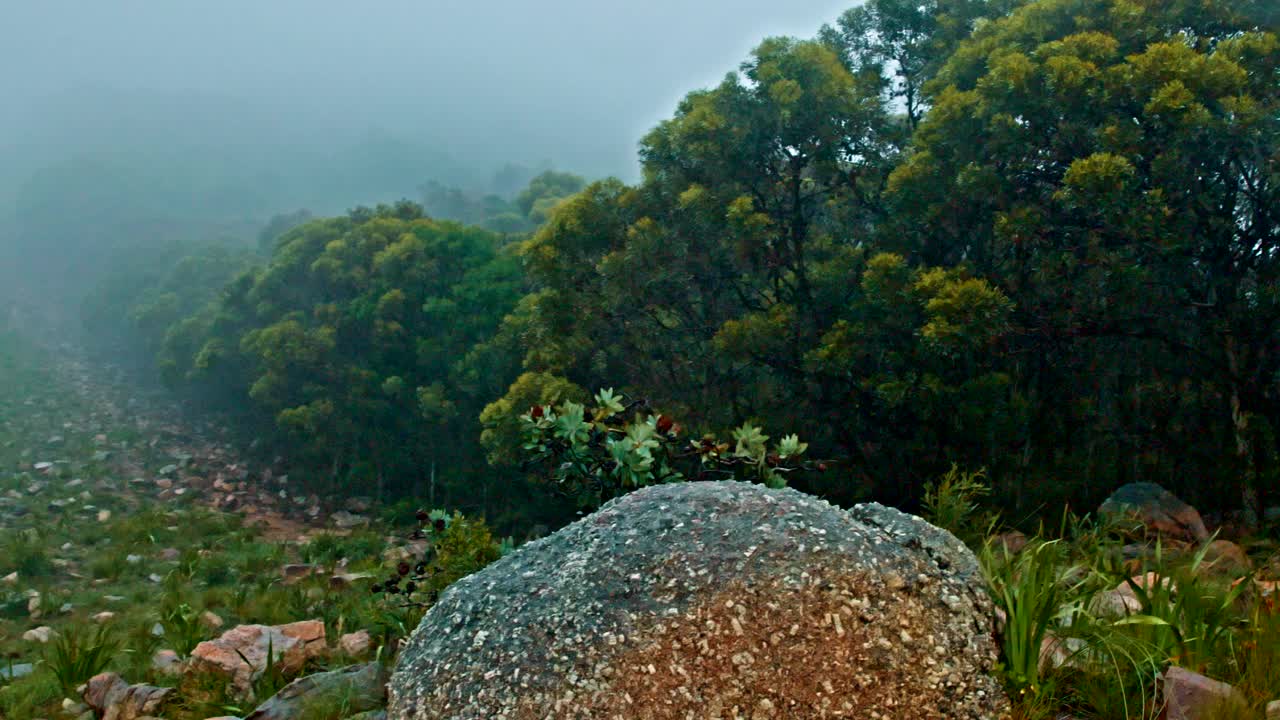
712,600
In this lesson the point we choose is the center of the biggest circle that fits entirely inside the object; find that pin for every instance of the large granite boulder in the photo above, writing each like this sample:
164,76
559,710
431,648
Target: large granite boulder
712,600
1157,509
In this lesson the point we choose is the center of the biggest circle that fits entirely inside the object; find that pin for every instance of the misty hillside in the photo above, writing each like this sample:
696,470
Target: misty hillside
432,360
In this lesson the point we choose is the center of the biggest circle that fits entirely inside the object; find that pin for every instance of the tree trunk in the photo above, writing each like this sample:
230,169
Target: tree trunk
1244,452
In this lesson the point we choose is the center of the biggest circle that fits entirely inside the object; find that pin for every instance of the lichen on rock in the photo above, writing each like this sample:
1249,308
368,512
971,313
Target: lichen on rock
717,599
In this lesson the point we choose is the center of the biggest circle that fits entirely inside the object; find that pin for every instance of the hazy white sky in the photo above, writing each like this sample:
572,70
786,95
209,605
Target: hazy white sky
575,81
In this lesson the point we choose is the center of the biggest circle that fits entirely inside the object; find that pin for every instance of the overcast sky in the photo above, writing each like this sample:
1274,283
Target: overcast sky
573,81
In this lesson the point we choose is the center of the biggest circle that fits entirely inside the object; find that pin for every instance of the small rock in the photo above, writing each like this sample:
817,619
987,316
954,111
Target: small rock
155,578
358,688
16,670
157,630
10,579
1157,509
241,652
110,695
164,483
341,581
296,572
345,520
73,708
104,515
1273,710
104,616
355,644
170,554
168,470
133,559
167,662
210,620
42,634
1226,557
1192,696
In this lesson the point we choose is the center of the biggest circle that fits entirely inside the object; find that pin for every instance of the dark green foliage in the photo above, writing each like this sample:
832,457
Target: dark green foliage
611,448
456,547
79,654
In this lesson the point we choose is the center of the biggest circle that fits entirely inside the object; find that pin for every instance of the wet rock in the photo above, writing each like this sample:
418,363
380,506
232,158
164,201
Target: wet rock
357,689
696,598
355,644
241,653
1157,509
1192,696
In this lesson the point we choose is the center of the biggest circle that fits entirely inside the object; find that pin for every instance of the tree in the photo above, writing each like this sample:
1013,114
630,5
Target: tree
1112,167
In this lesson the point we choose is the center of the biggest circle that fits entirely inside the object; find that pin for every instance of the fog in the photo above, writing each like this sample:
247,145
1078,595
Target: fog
246,91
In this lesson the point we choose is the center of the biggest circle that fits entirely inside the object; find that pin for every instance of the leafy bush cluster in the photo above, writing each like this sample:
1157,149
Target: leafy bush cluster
597,453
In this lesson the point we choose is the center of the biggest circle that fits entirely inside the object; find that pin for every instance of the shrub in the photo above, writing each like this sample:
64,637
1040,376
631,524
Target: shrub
612,448
78,655
951,503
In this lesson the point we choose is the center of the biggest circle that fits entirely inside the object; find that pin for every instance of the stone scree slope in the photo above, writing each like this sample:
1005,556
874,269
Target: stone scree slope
713,600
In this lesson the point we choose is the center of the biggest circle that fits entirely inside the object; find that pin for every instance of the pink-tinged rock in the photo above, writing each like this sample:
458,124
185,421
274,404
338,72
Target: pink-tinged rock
114,699
1273,710
167,662
355,644
1191,696
103,688
1224,556
290,647
1157,509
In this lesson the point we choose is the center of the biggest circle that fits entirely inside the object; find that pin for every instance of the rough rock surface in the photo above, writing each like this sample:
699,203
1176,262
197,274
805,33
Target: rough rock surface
712,600
290,645
1158,509
1192,696
114,699
355,689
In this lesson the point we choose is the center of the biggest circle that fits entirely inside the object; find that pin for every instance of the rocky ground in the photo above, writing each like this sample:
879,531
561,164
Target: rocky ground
127,537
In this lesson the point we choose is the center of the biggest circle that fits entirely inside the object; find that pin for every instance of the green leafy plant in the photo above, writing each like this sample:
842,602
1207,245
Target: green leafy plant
953,502
77,655
1189,616
1031,589
456,547
182,628
614,447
